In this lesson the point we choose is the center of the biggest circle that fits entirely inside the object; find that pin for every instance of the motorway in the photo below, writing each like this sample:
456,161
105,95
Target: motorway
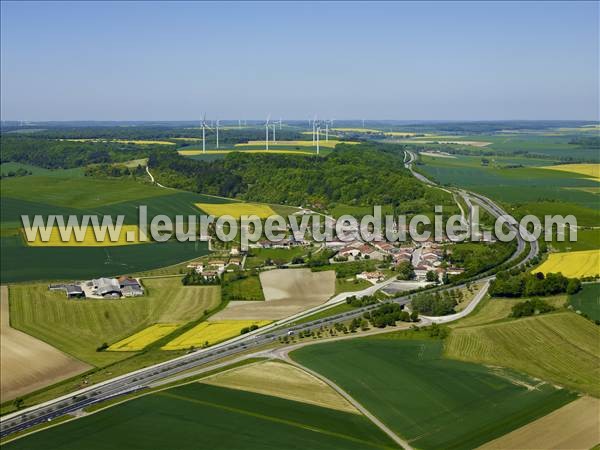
141,379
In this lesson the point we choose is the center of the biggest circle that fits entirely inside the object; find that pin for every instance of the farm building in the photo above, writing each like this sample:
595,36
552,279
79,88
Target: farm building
107,287
72,290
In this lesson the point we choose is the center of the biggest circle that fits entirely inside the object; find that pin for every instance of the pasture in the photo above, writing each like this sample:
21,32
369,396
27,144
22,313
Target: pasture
213,417
142,339
587,300
286,292
561,348
237,209
465,404
79,327
210,333
281,380
29,364
572,264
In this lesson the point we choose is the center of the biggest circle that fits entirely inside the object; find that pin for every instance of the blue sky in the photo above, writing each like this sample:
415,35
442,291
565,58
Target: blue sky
174,61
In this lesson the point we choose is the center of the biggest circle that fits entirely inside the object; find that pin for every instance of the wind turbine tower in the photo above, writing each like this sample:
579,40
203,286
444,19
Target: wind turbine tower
204,133
267,133
217,133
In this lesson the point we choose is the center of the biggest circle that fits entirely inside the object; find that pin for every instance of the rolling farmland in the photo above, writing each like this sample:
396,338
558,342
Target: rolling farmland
572,264
281,380
79,327
219,418
574,426
286,292
431,401
78,196
27,363
562,348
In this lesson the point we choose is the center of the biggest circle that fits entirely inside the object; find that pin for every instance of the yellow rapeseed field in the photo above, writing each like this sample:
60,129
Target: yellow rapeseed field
211,332
322,143
142,339
236,210
123,141
89,240
572,264
222,152
357,130
590,170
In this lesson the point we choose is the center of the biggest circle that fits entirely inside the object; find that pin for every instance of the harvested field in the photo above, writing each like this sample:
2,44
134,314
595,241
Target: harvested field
575,426
287,292
27,363
281,380
572,264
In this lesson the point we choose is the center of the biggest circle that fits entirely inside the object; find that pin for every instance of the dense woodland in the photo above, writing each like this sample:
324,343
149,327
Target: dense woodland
364,174
57,154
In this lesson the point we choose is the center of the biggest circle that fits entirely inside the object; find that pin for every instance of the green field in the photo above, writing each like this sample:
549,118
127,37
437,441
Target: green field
587,300
562,348
63,173
431,401
260,256
78,196
203,416
530,190
248,288
80,327
553,144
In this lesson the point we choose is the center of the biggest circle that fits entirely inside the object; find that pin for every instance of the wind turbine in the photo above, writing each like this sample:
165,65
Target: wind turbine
273,127
314,129
204,133
267,132
326,131
217,133
280,123
318,129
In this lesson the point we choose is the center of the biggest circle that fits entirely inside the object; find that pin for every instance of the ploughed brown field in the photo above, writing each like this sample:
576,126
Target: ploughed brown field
287,292
29,364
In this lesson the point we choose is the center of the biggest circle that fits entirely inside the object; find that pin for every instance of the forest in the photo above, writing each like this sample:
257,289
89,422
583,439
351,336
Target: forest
363,174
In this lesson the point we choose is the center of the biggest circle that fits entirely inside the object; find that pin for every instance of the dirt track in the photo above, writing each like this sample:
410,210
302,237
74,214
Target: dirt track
287,292
27,363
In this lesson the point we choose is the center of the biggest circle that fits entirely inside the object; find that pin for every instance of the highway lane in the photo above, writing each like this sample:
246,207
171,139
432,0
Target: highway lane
140,379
